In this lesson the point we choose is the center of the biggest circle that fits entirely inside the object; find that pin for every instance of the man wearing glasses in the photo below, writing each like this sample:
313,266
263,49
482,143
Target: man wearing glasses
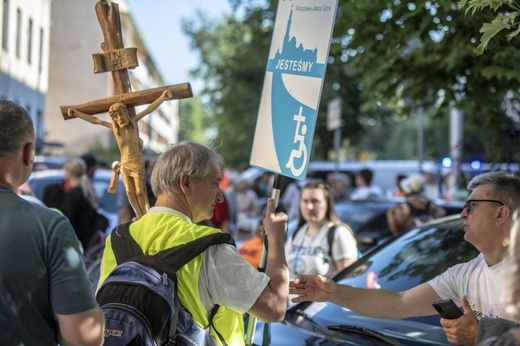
475,285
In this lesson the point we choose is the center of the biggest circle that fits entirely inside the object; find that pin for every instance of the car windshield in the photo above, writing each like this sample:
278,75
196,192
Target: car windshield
413,258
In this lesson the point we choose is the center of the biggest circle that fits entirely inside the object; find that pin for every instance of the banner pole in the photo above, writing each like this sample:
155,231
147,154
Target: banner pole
251,325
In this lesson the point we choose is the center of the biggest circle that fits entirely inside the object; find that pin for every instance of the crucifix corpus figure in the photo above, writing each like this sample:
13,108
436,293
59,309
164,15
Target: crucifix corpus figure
131,165
121,107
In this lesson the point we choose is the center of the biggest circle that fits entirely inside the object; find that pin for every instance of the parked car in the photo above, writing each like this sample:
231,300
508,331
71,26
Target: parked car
398,264
107,201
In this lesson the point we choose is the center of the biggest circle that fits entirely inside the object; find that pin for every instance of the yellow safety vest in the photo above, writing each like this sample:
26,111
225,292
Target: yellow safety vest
157,231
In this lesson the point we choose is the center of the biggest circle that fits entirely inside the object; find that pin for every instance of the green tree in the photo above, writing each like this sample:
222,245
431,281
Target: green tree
191,120
233,57
507,12
424,52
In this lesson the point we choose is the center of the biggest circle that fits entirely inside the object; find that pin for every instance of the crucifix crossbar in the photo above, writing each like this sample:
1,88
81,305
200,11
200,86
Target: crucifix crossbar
117,60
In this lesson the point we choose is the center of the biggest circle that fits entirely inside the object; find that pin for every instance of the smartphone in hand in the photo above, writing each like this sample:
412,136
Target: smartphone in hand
447,309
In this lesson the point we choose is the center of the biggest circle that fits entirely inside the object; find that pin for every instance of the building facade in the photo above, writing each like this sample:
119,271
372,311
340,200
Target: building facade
24,57
46,62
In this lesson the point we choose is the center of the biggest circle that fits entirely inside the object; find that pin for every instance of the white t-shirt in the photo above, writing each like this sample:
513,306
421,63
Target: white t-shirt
227,279
481,284
310,255
366,192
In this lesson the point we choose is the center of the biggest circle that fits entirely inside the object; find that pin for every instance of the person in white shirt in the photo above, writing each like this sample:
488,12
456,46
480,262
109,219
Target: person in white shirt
310,250
364,187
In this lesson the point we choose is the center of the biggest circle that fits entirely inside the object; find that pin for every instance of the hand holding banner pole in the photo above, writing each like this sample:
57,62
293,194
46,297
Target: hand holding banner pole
251,326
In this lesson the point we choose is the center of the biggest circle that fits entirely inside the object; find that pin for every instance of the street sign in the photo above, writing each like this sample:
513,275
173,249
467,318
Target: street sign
334,114
292,87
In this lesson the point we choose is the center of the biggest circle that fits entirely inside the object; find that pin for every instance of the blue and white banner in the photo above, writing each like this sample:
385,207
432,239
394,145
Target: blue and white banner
292,86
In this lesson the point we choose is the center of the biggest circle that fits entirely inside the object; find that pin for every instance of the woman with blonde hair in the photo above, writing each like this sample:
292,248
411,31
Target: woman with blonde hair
321,244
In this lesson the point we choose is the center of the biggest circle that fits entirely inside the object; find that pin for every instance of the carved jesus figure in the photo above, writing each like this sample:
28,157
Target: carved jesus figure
131,165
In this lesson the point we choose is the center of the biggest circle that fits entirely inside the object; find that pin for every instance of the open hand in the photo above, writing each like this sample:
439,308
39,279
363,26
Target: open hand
312,288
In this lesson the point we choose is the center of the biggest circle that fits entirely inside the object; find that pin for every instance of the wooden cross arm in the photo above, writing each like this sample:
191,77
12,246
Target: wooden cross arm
137,98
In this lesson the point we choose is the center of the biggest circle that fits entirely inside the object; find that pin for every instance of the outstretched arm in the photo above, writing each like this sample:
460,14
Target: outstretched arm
369,302
166,95
72,112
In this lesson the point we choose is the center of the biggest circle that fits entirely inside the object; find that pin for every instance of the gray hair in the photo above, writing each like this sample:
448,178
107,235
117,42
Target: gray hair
16,127
187,157
506,187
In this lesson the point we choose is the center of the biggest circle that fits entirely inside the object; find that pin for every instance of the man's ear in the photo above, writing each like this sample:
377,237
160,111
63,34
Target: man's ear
184,182
503,214
28,153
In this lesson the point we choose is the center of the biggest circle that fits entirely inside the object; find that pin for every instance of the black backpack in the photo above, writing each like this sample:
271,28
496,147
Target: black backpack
139,297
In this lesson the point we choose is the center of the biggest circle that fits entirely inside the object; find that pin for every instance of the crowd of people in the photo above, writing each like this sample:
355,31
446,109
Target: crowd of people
54,296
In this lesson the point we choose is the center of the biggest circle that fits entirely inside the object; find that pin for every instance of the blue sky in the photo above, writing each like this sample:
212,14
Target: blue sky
159,22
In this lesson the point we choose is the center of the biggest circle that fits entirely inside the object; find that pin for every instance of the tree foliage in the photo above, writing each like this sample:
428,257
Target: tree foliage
507,12
387,59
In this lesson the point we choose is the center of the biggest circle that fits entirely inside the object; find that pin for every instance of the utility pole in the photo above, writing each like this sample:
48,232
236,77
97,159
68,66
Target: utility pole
456,147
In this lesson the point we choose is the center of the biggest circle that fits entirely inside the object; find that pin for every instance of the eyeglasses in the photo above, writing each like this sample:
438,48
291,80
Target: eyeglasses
468,206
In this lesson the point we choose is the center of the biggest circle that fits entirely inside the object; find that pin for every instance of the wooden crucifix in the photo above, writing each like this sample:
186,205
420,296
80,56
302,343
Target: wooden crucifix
121,107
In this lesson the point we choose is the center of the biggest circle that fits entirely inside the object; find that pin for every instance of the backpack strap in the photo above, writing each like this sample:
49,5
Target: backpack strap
330,238
123,245
294,233
168,260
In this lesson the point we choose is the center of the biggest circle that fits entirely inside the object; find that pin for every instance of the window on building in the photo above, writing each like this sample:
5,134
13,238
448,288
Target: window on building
18,31
29,40
40,53
5,25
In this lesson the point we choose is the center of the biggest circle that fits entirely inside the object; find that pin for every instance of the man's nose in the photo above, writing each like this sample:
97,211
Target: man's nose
220,196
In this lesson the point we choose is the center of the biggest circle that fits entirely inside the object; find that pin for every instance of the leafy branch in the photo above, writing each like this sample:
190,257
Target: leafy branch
506,19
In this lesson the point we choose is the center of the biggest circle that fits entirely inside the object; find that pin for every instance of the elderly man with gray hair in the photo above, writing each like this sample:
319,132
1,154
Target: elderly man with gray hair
186,180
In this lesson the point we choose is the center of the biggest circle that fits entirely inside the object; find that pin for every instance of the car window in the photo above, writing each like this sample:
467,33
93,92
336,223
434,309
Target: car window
373,232
357,215
417,256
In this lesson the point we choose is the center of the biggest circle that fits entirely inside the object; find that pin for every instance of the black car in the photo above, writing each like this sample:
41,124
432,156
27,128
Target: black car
398,264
